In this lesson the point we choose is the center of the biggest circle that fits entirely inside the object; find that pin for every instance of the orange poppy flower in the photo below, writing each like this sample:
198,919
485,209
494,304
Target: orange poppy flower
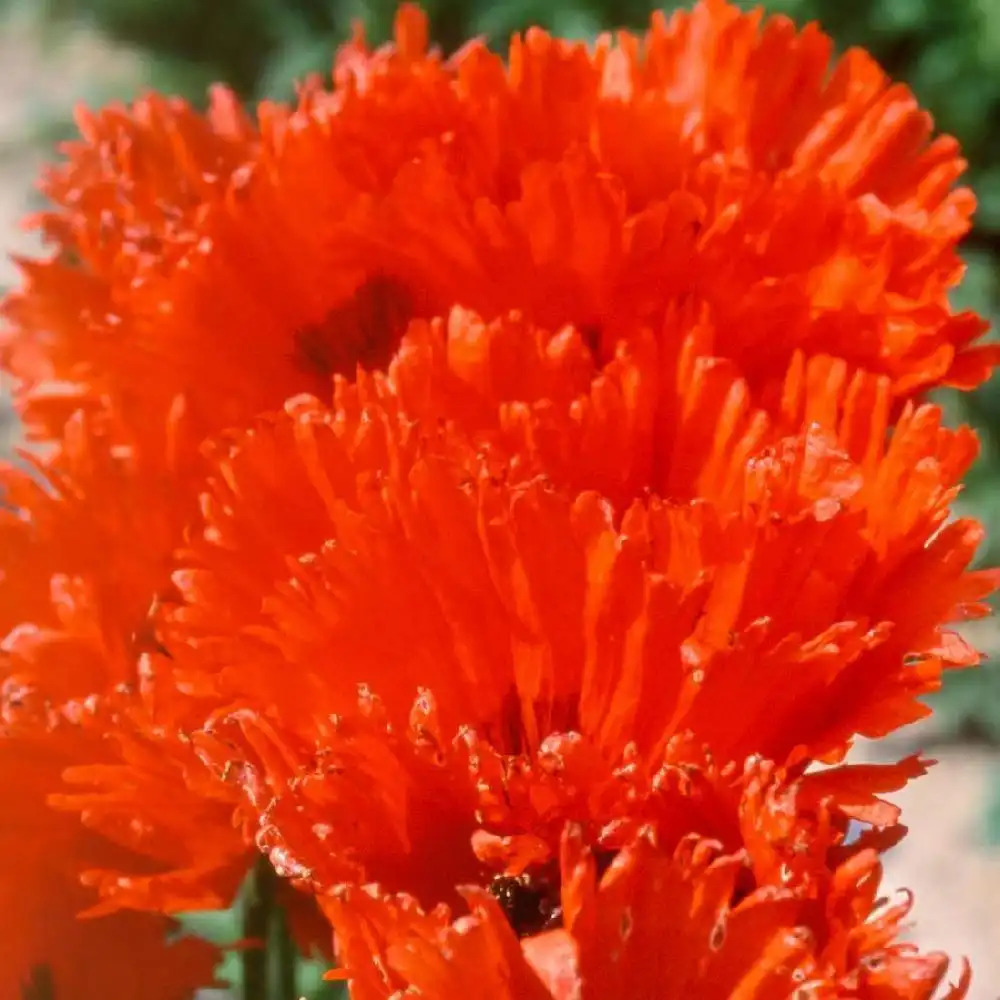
83,539
136,256
656,924
669,414
87,537
419,183
782,848
45,940
578,518
88,531
126,205
800,606
364,517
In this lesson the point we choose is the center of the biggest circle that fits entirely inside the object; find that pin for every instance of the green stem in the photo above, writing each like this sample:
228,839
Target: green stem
285,957
256,924
272,963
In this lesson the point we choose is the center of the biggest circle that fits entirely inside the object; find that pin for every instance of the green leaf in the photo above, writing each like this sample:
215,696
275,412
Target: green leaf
294,62
314,987
898,16
988,34
497,21
969,703
978,290
992,816
220,927
986,184
577,24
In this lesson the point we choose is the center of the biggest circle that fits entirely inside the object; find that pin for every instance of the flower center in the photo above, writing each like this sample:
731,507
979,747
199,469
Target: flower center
365,330
519,727
530,903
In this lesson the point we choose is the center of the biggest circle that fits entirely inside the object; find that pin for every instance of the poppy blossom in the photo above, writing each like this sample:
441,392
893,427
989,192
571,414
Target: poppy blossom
87,537
83,537
669,414
418,183
656,924
556,513
125,204
325,532
779,844
413,562
46,941
88,527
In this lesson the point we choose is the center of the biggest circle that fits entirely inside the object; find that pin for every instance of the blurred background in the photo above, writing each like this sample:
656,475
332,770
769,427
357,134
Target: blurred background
54,53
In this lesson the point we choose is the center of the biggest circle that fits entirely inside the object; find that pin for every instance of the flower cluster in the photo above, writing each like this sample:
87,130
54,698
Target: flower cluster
498,490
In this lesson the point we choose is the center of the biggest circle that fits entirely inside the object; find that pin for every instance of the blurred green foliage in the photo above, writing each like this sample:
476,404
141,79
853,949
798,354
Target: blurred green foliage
226,927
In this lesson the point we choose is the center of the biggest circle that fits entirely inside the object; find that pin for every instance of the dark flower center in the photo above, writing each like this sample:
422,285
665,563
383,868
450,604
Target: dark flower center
531,901
507,731
531,904
365,330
